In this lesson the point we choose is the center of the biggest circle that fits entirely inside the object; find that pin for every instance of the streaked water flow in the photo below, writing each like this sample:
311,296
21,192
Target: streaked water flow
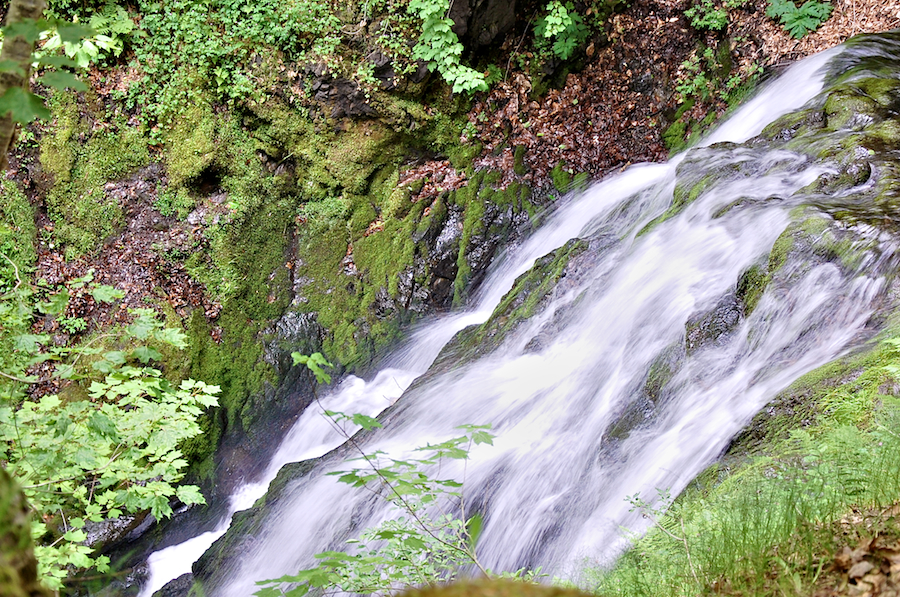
552,486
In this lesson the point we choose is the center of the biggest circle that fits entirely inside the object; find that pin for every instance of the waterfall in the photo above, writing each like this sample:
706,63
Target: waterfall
552,488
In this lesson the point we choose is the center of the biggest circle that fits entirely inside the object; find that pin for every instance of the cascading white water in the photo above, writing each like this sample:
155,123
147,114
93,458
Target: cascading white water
548,489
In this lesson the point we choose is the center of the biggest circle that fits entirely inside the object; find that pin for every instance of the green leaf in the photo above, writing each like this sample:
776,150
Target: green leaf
60,79
71,33
27,28
11,66
116,357
473,529
105,293
145,354
102,425
366,422
172,336
23,106
56,304
189,494
142,326
57,61
66,371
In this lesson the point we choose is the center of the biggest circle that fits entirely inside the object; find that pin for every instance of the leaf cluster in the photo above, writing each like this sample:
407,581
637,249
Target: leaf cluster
798,21
563,27
22,105
424,545
95,454
439,46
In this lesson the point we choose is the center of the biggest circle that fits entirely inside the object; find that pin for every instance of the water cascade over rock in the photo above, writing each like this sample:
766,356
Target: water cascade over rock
648,320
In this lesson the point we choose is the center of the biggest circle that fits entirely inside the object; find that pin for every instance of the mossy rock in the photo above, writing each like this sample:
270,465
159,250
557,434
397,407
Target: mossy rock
706,329
652,396
246,525
529,295
79,160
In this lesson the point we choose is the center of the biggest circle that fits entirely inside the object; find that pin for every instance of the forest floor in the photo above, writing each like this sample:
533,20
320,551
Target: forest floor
613,112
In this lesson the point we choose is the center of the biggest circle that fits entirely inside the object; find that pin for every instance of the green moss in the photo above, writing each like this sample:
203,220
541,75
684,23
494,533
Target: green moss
844,106
473,225
519,160
750,287
190,145
81,160
17,233
235,364
562,180
843,392
886,135
527,297
675,134
687,190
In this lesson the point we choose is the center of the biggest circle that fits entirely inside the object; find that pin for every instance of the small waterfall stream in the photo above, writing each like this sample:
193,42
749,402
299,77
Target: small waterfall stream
552,487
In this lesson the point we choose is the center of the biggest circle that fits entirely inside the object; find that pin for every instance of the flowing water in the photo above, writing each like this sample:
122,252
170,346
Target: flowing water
552,488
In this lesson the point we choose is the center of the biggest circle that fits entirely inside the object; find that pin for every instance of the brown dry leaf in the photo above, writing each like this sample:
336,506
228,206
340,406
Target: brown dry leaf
860,569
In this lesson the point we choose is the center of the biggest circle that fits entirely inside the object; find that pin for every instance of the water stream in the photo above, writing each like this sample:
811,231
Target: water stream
552,487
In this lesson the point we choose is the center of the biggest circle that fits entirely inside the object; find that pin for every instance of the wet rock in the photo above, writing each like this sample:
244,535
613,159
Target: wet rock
180,587
246,525
707,328
479,23
292,332
127,527
648,402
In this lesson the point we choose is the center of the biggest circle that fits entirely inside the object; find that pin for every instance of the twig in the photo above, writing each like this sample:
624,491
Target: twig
400,498
14,378
682,539
16,269
518,46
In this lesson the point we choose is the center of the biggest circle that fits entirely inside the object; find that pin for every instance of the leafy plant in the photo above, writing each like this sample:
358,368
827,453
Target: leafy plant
16,101
696,80
93,455
798,21
706,15
440,47
109,29
427,543
562,26
315,363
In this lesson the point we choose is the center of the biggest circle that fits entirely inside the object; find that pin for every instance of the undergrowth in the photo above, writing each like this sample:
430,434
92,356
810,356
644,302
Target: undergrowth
773,524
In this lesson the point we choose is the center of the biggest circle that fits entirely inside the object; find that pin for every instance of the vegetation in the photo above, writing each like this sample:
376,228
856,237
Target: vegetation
799,20
99,449
206,89
428,543
562,27
784,511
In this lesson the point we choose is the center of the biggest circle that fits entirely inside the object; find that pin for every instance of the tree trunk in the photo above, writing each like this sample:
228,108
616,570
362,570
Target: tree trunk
18,50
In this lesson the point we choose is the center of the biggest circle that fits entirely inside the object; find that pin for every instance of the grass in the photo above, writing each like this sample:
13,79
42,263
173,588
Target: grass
773,524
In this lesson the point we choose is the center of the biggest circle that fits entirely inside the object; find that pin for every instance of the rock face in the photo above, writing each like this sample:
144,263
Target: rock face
18,568
479,23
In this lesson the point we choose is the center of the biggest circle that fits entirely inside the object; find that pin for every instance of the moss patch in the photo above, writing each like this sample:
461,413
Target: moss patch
80,160
17,233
